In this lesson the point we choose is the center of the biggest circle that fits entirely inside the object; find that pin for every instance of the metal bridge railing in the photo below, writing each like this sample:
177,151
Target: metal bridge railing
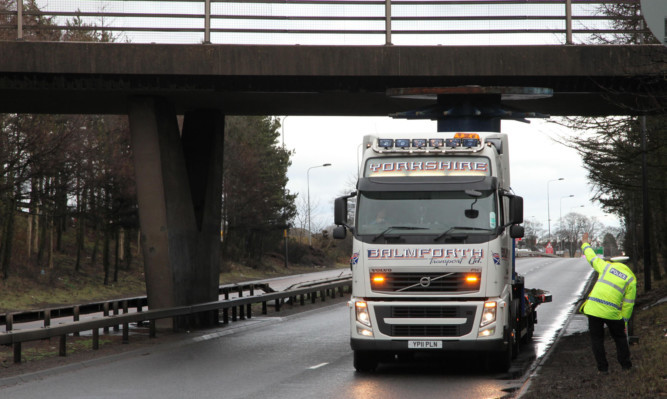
331,22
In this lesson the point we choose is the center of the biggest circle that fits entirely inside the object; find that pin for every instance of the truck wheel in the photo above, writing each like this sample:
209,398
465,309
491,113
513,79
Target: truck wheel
530,328
501,361
365,361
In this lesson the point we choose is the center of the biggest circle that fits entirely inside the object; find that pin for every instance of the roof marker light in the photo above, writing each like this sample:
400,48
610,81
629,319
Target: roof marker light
419,143
436,143
402,143
386,143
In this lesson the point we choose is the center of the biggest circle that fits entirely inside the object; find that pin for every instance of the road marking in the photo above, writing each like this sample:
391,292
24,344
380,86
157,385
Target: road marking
318,366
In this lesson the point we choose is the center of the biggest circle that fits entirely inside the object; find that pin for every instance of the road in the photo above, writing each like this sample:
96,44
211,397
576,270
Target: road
301,356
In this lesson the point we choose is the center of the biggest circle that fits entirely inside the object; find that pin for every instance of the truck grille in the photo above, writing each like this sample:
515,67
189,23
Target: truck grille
421,312
425,282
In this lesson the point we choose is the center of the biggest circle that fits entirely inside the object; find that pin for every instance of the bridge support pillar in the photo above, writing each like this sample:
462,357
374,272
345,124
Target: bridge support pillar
179,191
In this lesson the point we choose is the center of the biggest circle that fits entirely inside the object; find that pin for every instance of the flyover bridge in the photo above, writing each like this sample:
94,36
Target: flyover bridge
207,59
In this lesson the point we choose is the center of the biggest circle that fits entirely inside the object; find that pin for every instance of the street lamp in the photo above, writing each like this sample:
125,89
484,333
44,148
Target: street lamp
560,218
548,210
310,242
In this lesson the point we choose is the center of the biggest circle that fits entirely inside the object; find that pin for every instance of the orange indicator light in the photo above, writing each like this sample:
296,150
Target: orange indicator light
471,279
378,279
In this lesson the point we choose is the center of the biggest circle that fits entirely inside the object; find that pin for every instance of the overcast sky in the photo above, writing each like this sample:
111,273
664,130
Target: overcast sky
534,160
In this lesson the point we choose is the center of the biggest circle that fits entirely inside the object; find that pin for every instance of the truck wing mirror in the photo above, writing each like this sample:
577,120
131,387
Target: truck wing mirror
339,232
516,209
516,231
340,211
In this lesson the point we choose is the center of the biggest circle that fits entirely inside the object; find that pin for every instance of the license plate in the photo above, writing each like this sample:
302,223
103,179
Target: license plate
425,344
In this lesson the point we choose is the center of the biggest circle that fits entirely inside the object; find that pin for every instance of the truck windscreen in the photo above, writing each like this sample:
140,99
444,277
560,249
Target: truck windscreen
427,213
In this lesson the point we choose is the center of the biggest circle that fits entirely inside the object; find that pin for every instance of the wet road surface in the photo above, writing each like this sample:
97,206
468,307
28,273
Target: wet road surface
303,356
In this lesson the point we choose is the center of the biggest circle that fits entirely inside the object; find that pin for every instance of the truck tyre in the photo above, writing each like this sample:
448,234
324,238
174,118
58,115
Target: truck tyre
501,361
530,328
365,361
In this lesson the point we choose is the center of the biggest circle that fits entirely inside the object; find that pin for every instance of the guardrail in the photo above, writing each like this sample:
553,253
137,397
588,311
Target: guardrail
241,308
113,306
372,22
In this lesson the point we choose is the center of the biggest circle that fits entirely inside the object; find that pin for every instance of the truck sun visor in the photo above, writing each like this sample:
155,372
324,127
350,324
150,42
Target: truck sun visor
454,183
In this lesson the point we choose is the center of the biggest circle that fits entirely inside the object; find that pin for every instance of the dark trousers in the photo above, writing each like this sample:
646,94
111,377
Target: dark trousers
617,331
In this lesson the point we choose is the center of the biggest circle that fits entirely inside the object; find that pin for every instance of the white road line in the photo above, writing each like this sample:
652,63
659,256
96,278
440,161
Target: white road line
318,366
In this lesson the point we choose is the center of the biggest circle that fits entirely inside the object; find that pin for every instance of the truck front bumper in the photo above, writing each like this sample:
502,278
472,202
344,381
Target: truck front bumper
490,345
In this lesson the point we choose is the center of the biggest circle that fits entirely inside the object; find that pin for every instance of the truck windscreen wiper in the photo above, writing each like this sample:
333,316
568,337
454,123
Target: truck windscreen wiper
398,227
447,232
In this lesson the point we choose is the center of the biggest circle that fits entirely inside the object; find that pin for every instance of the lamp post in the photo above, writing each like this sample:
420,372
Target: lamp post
310,242
548,209
560,218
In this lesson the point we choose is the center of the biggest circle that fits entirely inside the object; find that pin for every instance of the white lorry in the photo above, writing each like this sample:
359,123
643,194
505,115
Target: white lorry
433,249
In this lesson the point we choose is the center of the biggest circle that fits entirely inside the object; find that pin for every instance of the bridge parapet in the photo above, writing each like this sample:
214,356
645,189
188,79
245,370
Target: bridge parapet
338,22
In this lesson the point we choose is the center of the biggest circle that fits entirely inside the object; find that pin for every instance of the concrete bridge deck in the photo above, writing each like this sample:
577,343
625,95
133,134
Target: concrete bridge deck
66,77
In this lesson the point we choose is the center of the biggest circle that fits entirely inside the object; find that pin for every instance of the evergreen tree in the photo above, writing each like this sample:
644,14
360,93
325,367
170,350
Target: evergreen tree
256,204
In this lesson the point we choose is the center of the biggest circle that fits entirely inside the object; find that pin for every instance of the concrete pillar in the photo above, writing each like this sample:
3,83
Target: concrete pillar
181,258
203,135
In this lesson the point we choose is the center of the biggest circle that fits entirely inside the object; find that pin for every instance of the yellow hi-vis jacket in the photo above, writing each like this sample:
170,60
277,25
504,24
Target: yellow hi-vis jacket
614,293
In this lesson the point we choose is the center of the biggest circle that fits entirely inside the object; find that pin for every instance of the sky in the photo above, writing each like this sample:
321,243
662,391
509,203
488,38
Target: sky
535,159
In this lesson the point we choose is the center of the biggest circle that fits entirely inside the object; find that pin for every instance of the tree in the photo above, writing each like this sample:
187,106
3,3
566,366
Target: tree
256,204
612,152
533,230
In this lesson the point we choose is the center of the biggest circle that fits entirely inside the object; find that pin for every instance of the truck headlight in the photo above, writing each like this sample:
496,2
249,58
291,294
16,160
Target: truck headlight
363,316
489,313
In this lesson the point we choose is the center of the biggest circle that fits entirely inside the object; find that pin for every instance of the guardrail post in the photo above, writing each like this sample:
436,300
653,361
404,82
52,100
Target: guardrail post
225,315
249,311
115,313
568,21
278,305
9,322
17,352
387,22
323,294
126,333
105,313
264,308
233,313
207,22
75,317
96,339
302,299
152,327
241,310
47,317
63,346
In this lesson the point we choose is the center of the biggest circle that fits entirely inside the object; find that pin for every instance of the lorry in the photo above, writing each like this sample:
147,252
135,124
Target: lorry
434,227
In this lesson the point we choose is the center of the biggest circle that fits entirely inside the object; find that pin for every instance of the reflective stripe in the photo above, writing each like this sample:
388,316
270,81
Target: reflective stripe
625,320
616,287
605,270
631,279
602,301
629,300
